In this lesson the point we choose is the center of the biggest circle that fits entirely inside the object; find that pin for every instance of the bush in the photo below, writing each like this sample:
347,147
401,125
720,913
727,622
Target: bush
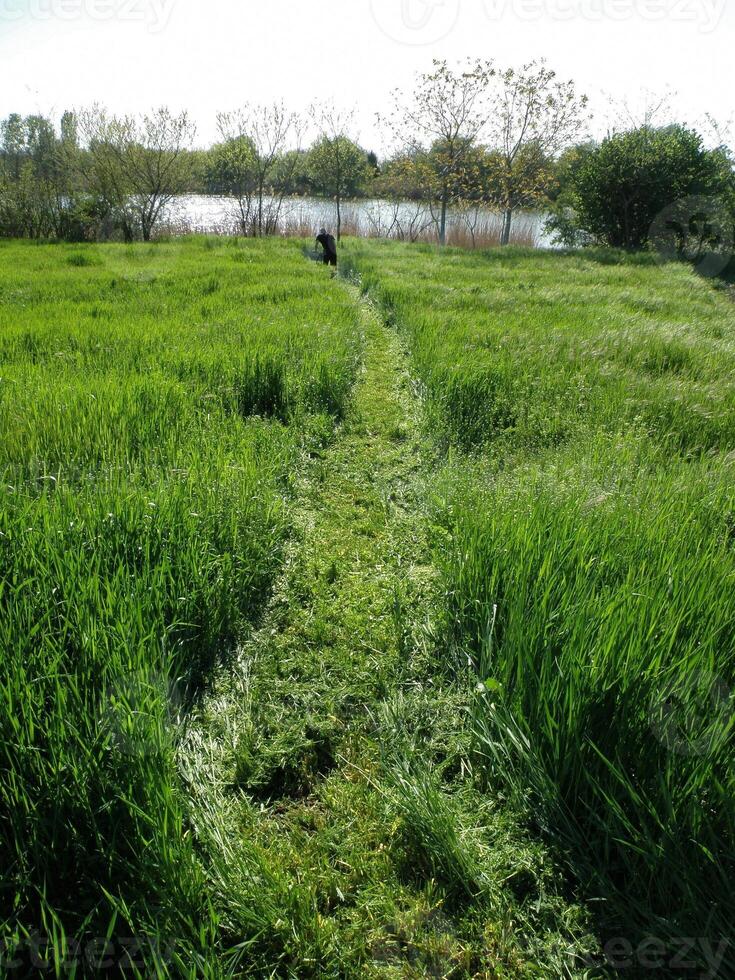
615,192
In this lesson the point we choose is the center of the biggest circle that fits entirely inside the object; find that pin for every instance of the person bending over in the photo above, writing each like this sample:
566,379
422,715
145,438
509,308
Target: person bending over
329,245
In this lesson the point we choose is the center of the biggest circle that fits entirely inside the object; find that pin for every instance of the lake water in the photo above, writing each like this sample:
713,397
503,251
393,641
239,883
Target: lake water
406,219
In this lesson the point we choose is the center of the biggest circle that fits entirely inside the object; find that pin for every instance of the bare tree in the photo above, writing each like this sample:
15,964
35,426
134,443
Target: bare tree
137,165
440,122
720,134
384,218
646,110
469,215
269,131
534,117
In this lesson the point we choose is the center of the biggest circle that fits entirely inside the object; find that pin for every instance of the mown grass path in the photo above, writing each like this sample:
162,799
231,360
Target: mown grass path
327,854
281,750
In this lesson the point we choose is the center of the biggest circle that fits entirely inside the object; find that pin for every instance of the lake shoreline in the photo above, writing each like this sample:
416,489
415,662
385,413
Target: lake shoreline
412,221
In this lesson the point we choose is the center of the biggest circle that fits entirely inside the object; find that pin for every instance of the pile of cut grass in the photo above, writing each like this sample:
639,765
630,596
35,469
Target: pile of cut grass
154,403
588,557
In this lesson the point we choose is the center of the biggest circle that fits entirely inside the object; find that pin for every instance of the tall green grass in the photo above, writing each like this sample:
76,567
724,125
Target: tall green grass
154,403
588,554
526,350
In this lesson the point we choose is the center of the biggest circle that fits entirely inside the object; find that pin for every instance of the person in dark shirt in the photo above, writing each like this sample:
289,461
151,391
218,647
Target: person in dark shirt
329,245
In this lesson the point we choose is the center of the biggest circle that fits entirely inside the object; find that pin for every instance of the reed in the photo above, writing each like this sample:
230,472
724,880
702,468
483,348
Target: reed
469,228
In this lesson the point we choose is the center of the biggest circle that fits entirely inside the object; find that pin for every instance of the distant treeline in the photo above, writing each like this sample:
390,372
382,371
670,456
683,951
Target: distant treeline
468,136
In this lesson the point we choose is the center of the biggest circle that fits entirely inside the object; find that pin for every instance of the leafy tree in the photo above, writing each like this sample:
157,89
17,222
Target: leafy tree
618,189
41,146
400,178
41,191
270,131
725,152
230,167
70,129
291,173
231,170
198,165
13,136
22,211
566,167
337,165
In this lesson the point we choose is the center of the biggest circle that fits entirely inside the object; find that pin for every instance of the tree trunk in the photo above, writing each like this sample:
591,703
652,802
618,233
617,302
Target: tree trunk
443,221
629,243
261,186
339,218
507,222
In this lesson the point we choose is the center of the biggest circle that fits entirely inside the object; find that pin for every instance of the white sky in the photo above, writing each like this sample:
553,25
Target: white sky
212,55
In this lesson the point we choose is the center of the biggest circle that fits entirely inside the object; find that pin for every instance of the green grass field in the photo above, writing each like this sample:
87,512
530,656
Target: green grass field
153,406
587,552
342,640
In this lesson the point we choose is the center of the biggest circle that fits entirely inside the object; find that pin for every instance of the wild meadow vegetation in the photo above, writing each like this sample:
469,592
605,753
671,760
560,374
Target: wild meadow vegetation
387,639
154,402
583,525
